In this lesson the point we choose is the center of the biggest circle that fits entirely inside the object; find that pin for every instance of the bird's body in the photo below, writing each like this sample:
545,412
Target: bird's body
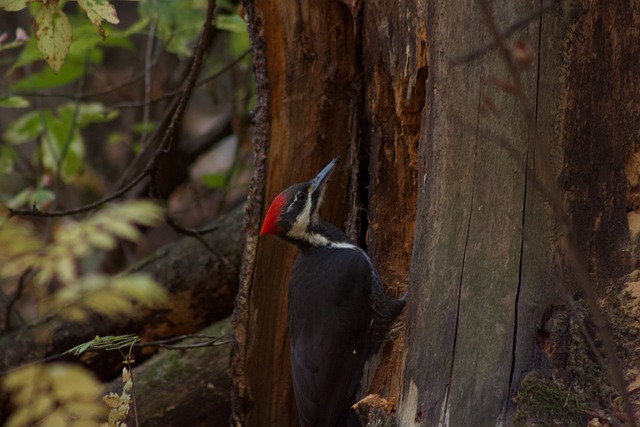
338,311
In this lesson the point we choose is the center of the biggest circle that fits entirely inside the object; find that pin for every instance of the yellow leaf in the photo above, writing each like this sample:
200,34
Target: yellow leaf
144,211
73,314
101,240
13,5
108,304
97,10
29,392
53,33
56,419
84,423
85,409
71,382
22,417
40,405
112,400
123,229
44,275
66,269
18,265
24,382
141,287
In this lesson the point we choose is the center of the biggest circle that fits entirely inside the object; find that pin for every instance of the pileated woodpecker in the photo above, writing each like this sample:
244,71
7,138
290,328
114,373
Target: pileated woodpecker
339,313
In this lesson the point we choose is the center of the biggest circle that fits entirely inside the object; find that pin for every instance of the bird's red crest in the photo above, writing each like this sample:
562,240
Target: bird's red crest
270,224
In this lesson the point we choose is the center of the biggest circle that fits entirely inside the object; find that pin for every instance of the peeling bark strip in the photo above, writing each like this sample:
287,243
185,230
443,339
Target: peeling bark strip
240,390
329,84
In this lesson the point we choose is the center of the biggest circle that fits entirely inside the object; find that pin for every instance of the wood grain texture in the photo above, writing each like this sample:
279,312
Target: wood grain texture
468,249
308,50
387,84
394,64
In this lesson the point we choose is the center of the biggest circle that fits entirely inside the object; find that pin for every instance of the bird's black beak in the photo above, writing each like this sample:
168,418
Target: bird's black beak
318,182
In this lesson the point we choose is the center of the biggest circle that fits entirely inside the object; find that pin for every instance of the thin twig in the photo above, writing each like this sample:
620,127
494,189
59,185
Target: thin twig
91,206
511,29
175,92
190,82
136,78
168,343
167,138
147,77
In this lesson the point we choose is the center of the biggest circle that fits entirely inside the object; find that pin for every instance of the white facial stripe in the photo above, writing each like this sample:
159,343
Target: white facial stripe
299,228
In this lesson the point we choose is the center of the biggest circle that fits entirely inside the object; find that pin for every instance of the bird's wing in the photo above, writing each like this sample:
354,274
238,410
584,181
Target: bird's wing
329,327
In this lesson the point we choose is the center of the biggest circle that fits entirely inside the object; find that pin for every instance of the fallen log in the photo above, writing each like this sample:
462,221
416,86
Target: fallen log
202,285
183,387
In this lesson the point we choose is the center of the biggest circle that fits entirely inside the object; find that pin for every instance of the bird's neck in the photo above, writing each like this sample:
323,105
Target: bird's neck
319,234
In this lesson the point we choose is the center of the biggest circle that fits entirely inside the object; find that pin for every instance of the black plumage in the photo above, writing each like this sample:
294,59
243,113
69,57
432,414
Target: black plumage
339,313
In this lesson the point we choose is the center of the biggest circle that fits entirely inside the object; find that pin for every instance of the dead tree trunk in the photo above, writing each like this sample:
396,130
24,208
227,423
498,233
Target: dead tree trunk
421,98
488,261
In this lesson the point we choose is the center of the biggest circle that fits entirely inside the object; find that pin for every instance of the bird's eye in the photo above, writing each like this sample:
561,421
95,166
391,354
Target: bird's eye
301,196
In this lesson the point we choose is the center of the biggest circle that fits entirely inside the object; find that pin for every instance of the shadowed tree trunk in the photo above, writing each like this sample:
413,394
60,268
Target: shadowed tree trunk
436,138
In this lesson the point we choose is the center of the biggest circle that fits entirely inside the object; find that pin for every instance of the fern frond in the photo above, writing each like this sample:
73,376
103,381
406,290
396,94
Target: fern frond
21,250
109,296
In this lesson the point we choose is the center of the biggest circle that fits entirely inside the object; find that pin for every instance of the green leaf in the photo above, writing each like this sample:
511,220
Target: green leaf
8,156
92,112
53,34
40,197
179,22
239,43
14,102
232,23
98,10
215,180
116,138
135,28
110,342
141,128
62,147
47,78
13,5
25,129
28,55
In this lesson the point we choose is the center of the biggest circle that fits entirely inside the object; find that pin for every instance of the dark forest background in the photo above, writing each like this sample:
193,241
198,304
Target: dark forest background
490,166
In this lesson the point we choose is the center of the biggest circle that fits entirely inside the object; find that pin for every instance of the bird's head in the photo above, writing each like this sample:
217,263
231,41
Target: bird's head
295,211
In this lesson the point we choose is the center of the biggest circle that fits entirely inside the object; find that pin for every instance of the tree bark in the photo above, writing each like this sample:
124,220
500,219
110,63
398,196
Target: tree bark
303,59
488,261
439,141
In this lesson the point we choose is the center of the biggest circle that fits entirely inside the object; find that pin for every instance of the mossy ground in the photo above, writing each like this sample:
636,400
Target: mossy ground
580,389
